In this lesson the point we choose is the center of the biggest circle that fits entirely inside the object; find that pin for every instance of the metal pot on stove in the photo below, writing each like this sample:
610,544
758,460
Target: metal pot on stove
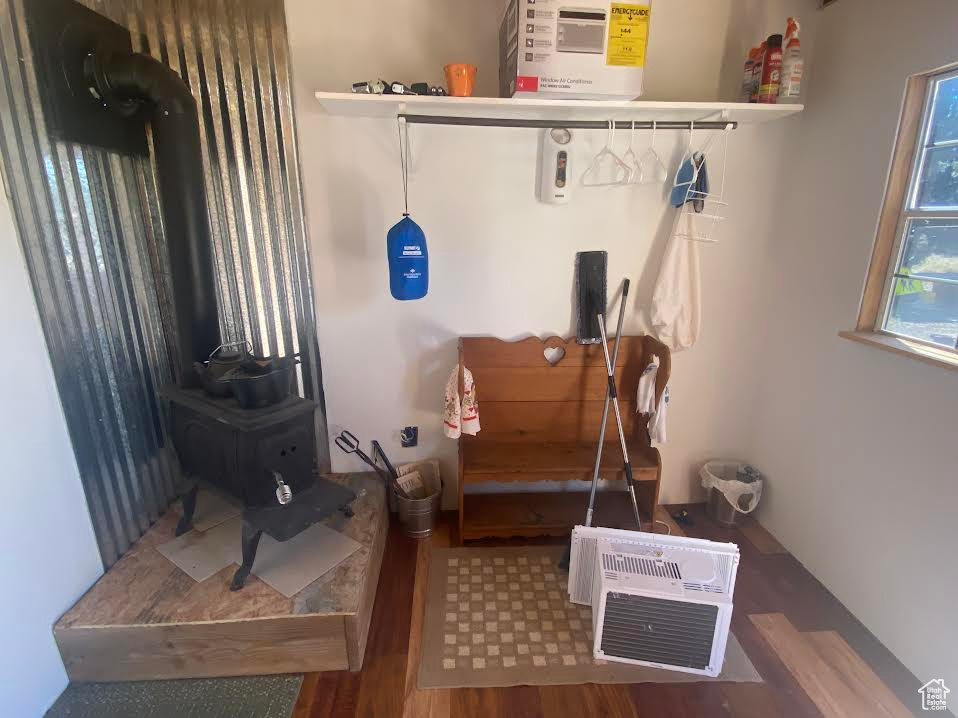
262,382
223,359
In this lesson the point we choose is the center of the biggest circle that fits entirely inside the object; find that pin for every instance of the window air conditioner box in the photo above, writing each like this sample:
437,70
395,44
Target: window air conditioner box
658,601
573,49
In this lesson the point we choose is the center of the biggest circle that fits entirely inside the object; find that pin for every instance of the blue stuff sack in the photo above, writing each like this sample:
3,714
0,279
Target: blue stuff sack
408,260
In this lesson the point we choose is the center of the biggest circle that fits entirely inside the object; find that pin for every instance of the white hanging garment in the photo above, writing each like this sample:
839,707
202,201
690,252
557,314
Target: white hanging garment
676,312
645,399
460,418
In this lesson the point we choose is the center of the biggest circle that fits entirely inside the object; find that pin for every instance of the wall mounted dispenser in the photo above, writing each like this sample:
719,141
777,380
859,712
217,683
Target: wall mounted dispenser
555,148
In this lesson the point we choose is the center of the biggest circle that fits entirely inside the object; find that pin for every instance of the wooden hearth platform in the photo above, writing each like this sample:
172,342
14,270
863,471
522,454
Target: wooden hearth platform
147,619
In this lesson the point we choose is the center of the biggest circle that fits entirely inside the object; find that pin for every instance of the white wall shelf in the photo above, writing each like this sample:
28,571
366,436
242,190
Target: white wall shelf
347,104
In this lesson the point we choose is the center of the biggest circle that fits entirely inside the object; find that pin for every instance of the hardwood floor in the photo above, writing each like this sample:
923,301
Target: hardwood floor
816,658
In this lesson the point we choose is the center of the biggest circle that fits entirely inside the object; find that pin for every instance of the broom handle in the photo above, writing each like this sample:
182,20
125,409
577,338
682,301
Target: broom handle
605,409
630,482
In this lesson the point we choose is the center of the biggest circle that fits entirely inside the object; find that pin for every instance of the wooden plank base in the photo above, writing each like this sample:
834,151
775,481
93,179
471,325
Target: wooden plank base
146,619
288,644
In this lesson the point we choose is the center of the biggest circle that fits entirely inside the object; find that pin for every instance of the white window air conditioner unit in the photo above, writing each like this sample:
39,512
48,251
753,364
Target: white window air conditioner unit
658,601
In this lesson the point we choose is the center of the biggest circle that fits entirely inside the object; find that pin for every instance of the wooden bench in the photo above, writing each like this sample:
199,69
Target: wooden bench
540,422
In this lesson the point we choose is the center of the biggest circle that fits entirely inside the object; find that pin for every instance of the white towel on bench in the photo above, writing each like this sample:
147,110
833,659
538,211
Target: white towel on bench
645,398
460,418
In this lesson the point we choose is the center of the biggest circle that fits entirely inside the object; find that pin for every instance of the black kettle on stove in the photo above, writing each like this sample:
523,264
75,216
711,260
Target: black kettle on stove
223,359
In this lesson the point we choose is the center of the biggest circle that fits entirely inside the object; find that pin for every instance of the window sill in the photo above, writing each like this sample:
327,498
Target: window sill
904,347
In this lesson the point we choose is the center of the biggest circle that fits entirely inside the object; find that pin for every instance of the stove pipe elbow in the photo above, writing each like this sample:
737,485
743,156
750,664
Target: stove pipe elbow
140,80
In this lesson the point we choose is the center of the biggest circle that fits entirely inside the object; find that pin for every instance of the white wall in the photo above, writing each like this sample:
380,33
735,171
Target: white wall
501,263
859,444
48,554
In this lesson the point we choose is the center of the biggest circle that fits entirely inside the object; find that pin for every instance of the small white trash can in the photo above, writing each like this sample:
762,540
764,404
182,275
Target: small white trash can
735,489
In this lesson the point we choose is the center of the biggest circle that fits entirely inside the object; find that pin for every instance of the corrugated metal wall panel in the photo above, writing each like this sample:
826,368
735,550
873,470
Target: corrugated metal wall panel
90,225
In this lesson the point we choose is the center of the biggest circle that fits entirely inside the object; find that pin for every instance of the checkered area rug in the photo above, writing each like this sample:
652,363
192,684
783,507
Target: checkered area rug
501,616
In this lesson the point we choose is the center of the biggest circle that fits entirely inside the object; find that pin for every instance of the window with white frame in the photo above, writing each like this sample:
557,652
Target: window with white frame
920,299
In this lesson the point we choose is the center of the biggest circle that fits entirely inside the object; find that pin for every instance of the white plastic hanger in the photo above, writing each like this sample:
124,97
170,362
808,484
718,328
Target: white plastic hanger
621,171
630,159
651,168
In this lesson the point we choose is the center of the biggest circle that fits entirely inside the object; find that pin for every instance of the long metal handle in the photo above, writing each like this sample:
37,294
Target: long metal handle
391,470
605,408
612,392
243,343
629,481
378,450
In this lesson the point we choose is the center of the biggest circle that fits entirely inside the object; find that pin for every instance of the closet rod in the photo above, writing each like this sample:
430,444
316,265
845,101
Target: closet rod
570,124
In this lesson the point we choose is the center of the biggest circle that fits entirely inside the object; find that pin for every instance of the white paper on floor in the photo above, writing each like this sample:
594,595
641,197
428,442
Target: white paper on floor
202,554
212,509
288,566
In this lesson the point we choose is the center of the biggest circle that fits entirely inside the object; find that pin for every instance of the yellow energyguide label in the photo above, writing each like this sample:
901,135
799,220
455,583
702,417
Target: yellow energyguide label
628,35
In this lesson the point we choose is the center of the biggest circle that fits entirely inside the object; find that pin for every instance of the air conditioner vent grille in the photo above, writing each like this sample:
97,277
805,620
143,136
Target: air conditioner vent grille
641,565
581,586
674,633
709,588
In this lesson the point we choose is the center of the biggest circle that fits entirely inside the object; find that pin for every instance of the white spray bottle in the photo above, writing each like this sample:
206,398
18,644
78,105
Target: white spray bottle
793,65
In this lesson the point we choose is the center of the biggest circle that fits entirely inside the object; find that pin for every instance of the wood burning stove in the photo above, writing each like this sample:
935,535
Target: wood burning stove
264,457
96,90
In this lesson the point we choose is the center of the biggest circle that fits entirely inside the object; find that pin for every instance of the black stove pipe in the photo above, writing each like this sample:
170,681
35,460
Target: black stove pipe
135,80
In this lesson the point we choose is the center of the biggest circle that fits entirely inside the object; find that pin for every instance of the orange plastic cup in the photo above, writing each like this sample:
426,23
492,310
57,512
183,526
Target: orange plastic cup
460,77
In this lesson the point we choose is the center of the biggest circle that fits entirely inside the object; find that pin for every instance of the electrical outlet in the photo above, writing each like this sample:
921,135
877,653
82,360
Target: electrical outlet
409,436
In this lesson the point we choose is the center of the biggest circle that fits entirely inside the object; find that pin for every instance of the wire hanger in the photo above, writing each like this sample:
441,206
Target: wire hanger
621,171
687,157
704,208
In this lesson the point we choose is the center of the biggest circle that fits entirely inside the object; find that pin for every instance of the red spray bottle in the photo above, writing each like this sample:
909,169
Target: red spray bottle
771,70
757,72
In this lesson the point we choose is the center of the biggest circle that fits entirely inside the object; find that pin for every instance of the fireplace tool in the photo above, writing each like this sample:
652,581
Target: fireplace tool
349,444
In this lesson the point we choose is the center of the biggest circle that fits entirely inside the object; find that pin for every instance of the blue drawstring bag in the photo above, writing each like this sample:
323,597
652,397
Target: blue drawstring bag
408,260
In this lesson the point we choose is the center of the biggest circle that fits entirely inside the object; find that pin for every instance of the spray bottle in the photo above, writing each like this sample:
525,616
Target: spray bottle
793,65
757,72
747,78
771,70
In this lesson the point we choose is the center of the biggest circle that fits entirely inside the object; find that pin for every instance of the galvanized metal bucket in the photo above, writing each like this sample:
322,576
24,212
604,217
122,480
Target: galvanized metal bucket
417,517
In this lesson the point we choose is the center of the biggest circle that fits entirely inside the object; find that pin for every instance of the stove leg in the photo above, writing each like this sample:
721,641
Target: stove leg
251,538
189,506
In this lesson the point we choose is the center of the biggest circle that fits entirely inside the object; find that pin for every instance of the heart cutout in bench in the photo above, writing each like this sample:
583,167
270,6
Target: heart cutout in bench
553,355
